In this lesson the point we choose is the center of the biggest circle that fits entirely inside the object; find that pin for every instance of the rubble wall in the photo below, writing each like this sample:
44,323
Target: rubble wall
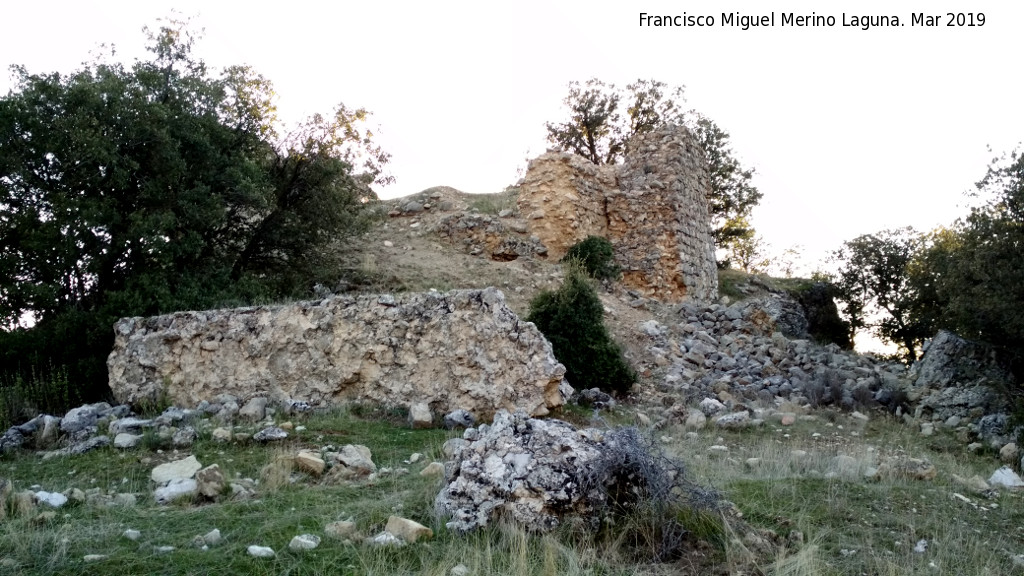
462,349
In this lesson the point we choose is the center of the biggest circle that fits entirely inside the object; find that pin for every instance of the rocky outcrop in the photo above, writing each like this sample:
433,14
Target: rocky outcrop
652,208
959,379
463,349
537,473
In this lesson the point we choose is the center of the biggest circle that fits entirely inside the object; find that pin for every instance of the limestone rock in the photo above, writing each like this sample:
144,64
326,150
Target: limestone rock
126,441
1006,478
179,469
433,469
459,419
260,551
304,542
463,349
533,472
176,489
408,530
1009,453
341,530
210,481
254,410
420,416
310,463
270,434
353,462
904,467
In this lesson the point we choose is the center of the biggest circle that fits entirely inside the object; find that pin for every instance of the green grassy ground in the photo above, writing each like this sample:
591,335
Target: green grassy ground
846,524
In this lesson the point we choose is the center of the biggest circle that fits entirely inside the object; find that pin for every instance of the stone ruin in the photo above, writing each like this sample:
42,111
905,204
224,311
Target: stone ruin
652,208
462,349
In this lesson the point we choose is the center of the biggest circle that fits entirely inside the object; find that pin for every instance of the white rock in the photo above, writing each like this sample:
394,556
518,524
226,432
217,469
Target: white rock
921,546
433,469
132,534
53,499
125,440
177,470
213,537
94,557
459,570
260,551
420,416
175,489
304,542
385,539
1006,477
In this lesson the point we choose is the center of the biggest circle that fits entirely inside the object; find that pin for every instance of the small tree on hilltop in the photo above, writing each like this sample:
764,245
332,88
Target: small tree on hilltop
572,320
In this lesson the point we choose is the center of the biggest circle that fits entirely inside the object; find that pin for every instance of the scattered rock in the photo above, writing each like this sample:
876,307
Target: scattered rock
433,469
420,416
310,463
125,440
1006,478
459,419
51,499
176,489
260,551
270,434
408,530
89,558
1009,454
132,534
254,410
177,470
210,481
341,530
385,539
304,542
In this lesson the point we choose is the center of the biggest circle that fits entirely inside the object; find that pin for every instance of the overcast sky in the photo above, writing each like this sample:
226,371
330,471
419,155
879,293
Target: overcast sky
851,131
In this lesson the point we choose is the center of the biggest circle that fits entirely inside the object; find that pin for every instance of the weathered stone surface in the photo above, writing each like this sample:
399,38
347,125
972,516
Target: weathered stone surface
310,463
353,462
341,529
459,419
175,490
420,416
210,481
304,542
179,469
408,530
464,349
652,208
536,472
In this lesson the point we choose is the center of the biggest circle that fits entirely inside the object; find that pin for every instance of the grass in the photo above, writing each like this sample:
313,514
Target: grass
824,522
493,204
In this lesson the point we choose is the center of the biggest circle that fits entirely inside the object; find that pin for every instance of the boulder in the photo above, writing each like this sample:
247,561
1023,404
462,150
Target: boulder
408,530
463,349
176,470
537,472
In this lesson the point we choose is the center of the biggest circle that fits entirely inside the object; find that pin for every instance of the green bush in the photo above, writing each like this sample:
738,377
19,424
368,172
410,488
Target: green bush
572,320
596,256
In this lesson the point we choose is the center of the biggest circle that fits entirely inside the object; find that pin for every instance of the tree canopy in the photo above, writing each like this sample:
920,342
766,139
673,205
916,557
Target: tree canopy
158,187
603,118
879,291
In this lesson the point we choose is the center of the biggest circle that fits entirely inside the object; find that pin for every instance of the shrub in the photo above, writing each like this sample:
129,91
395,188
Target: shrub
572,320
596,256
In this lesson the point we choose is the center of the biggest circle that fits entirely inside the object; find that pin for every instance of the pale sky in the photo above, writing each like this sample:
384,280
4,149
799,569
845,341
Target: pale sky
851,131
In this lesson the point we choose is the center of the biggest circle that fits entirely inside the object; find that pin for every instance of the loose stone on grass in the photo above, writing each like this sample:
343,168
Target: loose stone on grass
260,551
304,542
